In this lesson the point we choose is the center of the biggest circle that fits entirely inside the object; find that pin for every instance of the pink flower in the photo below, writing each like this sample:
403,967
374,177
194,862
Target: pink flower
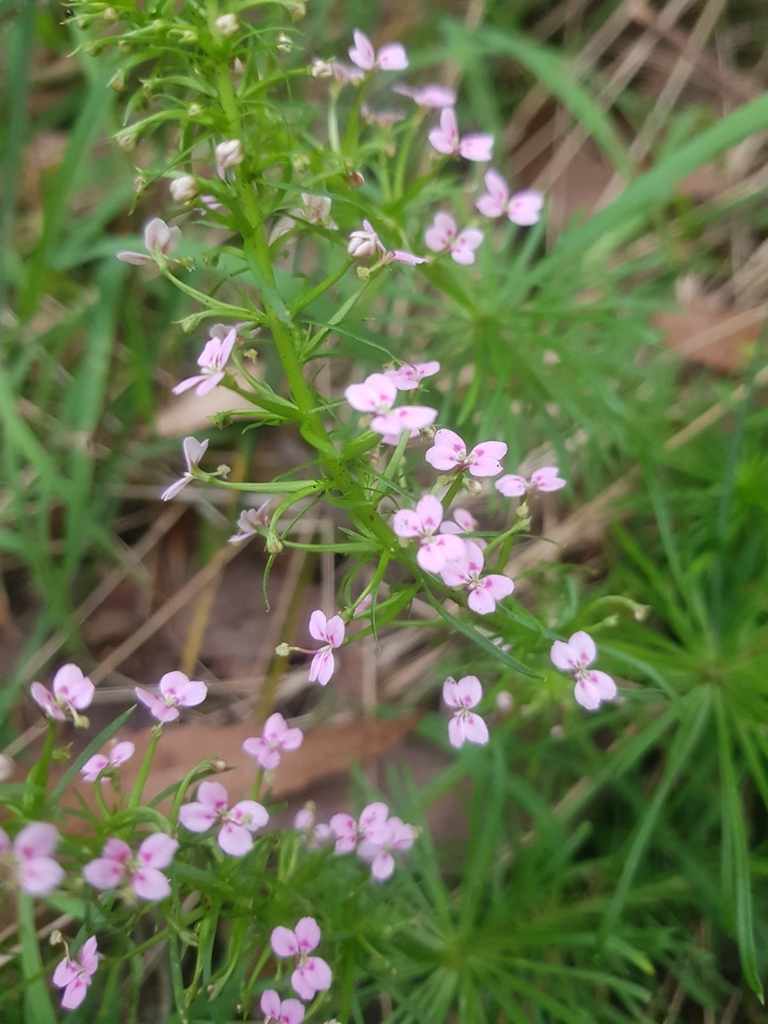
212,362
312,974
141,873
377,394
276,737
463,522
465,572
523,208
159,239
545,479
332,632
72,692
408,417
237,823
349,833
436,96
74,975
382,118
194,450
435,549
343,73
398,256
119,754
177,691
391,57
364,243
250,521
317,834
592,686
446,140
465,726
410,376
442,235
449,454
289,1011
394,837
28,859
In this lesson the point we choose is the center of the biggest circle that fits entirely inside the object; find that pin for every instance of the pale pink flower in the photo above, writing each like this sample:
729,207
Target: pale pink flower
250,521
395,837
228,154
446,140
546,479
176,691
120,753
436,96
410,376
317,835
377,394
407,258
412,418
28,863
287,1011
317,210
463,522
435,549
141,873
276,737
391,57
363,606
159,240
212,361
575,657
465,726
449,454
194,450
349,832
365,243
465,572
312,974
74,974
237,823
444,234
523,208
72,692
343,73
332,632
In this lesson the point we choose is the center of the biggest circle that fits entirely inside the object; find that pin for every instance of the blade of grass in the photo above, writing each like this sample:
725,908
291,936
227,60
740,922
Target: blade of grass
38,1008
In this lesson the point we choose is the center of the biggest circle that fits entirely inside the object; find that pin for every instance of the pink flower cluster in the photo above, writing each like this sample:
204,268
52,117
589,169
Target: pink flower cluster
376,837
102,764
237,823
311,974
376,396
575,656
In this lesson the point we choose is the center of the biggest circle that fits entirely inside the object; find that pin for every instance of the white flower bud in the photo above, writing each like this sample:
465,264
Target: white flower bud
184,188
117,82
126,139
227,24
298,10
321,68
194,110
284,43
229,153
362,243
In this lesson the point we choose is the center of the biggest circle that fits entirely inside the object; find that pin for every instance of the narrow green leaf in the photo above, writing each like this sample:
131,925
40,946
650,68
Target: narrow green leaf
38,1008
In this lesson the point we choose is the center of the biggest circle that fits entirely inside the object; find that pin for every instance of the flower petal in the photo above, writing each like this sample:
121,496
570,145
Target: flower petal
317,626
392,57
382,866
582,647
40,875
511,485
307,933
234,839
39,839
469,691
321,668
150,884
196,817
157,850
284,942
213,795
103,873
475,729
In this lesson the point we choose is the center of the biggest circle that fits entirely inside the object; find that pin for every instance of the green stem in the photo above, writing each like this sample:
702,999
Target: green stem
453,490
146,765
37,779
246,999
256,791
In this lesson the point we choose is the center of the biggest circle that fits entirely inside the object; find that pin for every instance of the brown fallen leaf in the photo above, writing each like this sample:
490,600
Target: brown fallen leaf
720,340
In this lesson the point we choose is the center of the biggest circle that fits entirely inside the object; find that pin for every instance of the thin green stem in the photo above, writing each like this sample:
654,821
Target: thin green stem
146,765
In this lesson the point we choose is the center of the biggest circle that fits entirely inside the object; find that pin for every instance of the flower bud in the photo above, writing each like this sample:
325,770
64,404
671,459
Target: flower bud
218,764
56,938
474,487
282,650
188,36
297,10
194,110
183,189
117,82
139,183
321,68
110,15
362,243
355,179
126,139
557,732
284,43
273,543
227,24
229,153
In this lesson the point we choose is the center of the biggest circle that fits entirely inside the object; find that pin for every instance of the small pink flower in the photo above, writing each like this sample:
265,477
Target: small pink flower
318,834
446,140
28,859
159,239
463,522
119,754
410,376
332,631
523,208
312,974
212,362
72,693
237,823
465,726
343,73
436,96
398,256
444,234
592,686
276,737
545,479
289,1011
142,873
391,57
395,837
435,549
194,450
449,454
177,691
251,520
74,975
363,606
465,572
349,833
377,394
365,243
412,418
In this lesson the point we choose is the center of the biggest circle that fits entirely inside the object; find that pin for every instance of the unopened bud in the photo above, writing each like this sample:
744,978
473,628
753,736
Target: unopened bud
126,140
194,110
223,471
557,732
273,543
139,182
474,487
227,24
297,10
110,15
355,179
321,68
6,768
284,43
124,46
117,82
183,189
56,938
229,153
218,764
188,36
300,163
282,650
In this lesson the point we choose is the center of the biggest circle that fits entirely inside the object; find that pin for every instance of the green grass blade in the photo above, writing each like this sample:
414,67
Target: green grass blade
38,1008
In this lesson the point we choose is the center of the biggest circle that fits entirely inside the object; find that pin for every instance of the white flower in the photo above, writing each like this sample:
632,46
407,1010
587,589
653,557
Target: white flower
184,188
227,24
229,153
